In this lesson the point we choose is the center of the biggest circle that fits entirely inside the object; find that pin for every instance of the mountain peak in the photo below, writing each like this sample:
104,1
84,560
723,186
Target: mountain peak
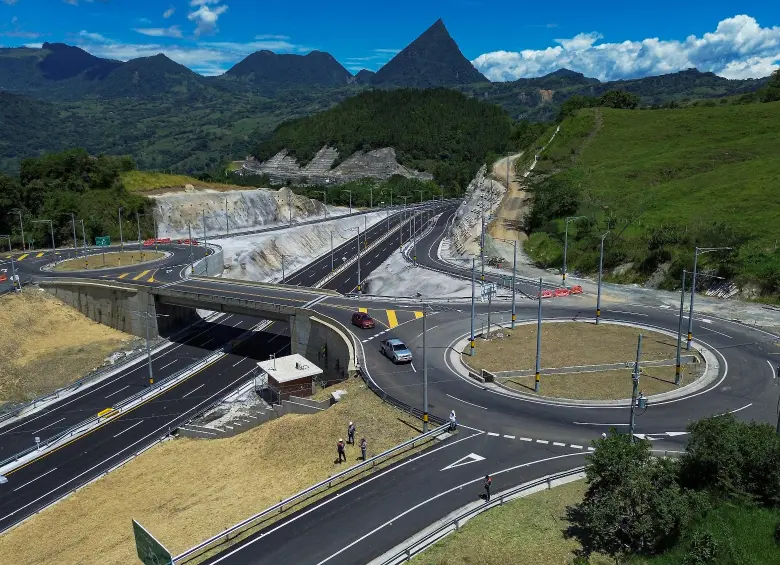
431,60
266,68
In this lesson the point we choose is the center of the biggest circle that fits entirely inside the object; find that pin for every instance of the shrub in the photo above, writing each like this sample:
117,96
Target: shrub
702,551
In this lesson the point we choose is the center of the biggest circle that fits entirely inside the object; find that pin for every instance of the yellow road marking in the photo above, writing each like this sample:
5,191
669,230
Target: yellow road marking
143,274
106,411
391,319
418,315
123,275
22,256
364,310
39,254
152,279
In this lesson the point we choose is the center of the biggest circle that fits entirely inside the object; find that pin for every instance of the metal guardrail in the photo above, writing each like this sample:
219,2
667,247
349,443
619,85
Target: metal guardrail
296,499
418,545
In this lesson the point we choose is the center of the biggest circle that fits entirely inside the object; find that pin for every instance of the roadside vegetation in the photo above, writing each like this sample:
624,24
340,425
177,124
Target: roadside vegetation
187,490
662,182
719,504
148,181
47,345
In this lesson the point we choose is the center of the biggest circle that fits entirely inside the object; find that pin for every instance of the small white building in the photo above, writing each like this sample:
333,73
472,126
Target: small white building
290,375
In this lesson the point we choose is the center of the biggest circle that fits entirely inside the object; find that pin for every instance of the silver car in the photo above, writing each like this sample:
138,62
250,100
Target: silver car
396,350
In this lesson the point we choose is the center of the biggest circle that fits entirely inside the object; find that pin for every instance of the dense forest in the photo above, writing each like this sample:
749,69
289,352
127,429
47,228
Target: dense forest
438,130
54,186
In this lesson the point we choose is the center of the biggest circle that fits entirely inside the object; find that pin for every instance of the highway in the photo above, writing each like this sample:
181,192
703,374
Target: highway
514,438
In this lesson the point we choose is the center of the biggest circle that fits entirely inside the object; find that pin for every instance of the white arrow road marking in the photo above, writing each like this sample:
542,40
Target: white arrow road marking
669,434
470,458
706,320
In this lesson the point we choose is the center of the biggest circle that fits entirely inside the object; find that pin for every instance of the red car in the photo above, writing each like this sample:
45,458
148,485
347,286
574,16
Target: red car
362,320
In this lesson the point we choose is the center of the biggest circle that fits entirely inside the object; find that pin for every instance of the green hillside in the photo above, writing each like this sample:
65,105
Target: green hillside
664,181
438,130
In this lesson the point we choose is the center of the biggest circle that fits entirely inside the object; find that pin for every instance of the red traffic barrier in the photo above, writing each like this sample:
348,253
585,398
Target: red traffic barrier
163,240
546,294
577,289
3,278
561,292
148,242
187,241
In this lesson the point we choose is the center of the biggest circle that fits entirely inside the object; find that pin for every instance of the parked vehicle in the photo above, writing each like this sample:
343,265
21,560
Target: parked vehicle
362,320
396,350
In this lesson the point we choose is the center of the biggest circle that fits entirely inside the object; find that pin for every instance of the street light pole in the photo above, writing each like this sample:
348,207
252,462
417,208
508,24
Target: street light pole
566,243
697,251
473,290
331,251
538,368
21,224
677,375
425,372
13,266
350,199
514,276
138,225
84,236
601,268
227,217
635,379
121,240
324,199
358,261
51,228
282,256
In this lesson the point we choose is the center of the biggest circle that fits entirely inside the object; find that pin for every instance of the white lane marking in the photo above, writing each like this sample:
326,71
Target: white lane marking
49,426
559,444
630,313
120,390
413,369
35,479
205,342
465,402
597,424
509,437
470,458
431,499
241,361
772,368
429,329
193,390
237,323
130,428
168,365
710,330
525,439
493,434
591,449
575,446
738,409
470,428
542,441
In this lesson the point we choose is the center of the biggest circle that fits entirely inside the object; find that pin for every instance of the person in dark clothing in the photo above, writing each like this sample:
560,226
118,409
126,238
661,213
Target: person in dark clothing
340,448
488,483
351,429
363,447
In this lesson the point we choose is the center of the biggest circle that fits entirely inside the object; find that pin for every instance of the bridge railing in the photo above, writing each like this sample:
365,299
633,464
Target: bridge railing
259,519
414,546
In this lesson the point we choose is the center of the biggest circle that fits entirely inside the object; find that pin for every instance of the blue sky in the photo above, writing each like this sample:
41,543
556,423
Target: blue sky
505,39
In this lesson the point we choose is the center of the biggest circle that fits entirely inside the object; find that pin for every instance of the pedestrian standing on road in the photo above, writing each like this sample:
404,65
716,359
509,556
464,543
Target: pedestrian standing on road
603,435
363,447
340,448
453,421
488,484
351,429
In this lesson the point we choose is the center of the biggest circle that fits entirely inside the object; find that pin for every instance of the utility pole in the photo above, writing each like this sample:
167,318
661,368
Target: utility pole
51,228
635,380
192,260
566,244
350,199
324,199
473,270
697,252
140,243
538,369
227,217
601,268
514,277
425,372
331,251
75,242
282,256
482,247
289,204
84,236
21,224
677,375
204,228
121,240
358,261
371,196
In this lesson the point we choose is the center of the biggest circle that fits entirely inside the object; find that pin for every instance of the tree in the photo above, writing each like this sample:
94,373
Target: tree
619,99
633,504
771,91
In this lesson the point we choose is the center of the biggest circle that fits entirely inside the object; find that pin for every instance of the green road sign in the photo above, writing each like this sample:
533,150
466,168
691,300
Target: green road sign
103,241
150,551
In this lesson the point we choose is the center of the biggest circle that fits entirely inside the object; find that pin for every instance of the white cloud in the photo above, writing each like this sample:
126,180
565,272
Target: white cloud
204,17
738,48
72,2
172,31
169,12
266,36
10,2
95,37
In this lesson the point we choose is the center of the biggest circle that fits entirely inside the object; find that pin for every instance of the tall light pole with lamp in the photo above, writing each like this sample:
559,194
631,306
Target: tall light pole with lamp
350,199
514,275
698,251
566,244
121,239
403,214
359,281
51,228
324,199
601,270
21,223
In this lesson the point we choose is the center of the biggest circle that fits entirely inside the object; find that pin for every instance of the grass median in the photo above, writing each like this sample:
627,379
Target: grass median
185,491
109,260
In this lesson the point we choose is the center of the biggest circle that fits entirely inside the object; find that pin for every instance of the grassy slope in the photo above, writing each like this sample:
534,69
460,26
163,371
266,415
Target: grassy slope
145,181
685,168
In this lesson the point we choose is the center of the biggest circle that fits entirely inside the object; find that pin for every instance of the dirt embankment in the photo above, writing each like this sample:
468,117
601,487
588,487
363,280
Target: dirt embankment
45,344
509,216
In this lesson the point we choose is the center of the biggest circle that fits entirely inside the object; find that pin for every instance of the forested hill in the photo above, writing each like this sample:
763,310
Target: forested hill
440,131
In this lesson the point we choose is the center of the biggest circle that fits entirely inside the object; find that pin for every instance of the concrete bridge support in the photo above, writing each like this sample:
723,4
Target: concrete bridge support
324,343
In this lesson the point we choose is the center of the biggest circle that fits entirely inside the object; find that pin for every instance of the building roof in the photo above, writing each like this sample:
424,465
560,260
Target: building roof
289,368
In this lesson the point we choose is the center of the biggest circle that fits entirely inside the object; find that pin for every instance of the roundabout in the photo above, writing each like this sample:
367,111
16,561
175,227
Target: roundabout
110,260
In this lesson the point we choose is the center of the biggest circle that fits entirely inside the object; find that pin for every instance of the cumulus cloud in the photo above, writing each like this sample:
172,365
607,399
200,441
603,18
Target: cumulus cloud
172,31
204,17
267,36
169,12
10,2
738,48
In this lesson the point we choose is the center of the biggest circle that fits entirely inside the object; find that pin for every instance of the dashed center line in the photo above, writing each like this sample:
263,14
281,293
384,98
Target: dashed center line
35,479
117,391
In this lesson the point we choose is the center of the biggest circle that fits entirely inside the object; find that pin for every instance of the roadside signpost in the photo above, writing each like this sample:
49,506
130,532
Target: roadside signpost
150,551
103,241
